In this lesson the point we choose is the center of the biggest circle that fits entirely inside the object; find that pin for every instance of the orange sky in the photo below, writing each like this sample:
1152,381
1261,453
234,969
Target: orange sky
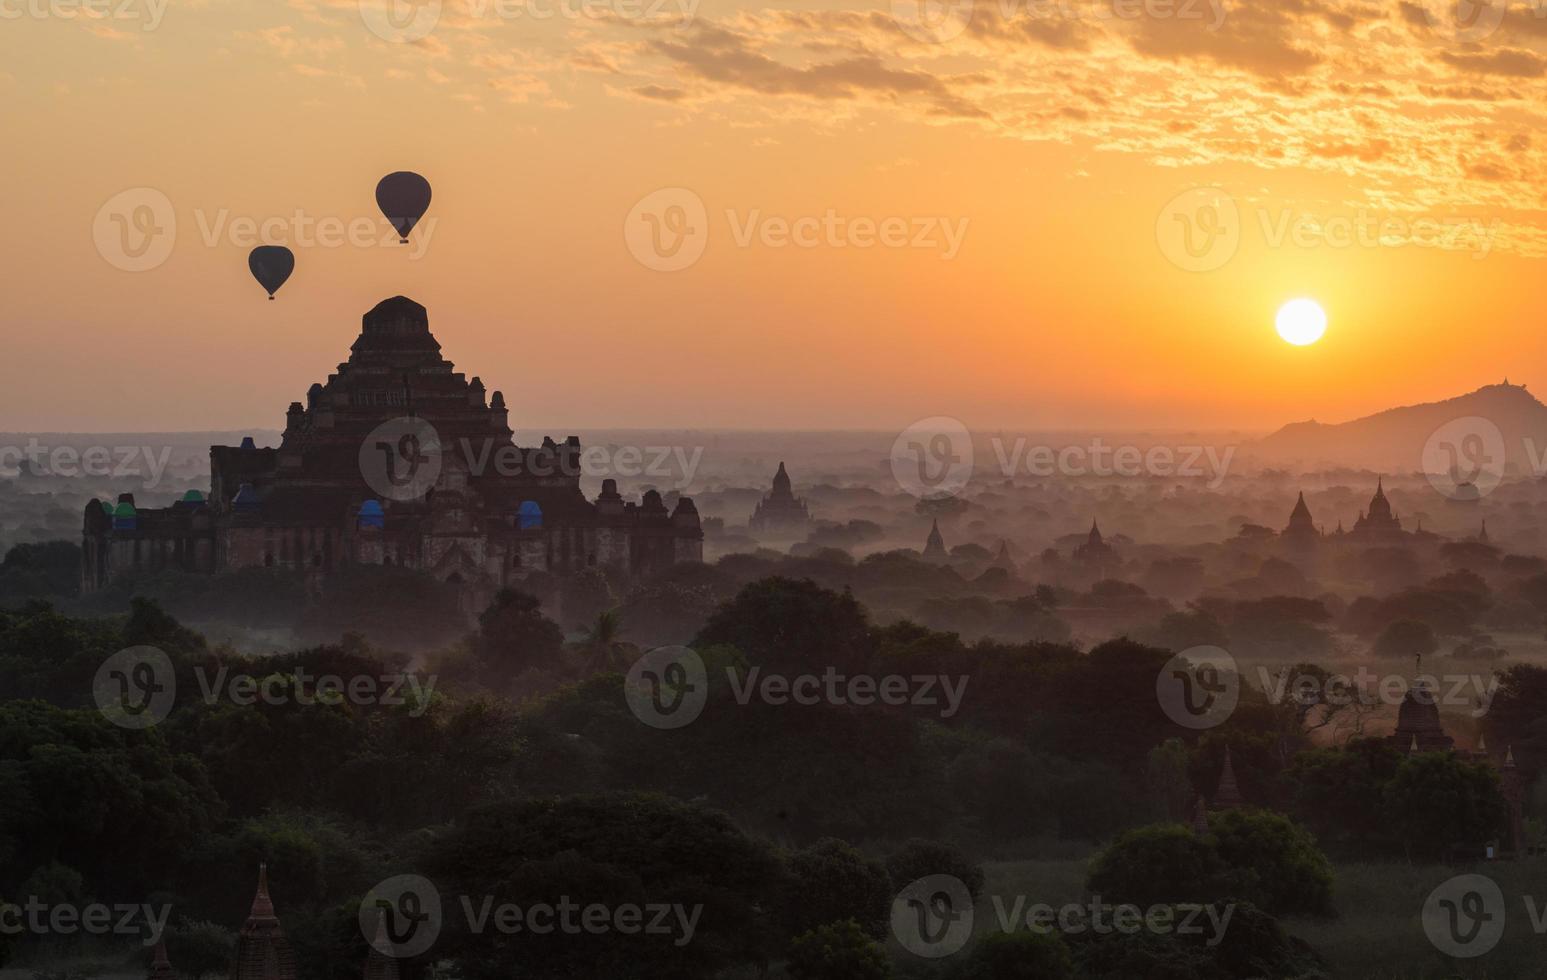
1062,145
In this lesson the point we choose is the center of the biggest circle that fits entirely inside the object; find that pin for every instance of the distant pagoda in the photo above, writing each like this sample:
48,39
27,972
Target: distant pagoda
1301,531
934,546
781,510
1378,521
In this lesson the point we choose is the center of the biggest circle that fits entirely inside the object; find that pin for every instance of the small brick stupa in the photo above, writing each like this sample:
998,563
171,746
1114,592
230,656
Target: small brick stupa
262,951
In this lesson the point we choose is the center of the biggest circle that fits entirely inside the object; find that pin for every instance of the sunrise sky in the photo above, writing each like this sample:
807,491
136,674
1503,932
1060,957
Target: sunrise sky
1065,145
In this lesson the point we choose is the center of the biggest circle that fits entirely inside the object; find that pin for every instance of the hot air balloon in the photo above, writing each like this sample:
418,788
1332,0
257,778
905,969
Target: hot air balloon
271,265
403,197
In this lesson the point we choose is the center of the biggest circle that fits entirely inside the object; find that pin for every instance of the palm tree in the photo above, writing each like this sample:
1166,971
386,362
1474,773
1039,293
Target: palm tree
603,648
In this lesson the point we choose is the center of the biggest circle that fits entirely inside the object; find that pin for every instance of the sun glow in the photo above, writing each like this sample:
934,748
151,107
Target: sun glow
1302,322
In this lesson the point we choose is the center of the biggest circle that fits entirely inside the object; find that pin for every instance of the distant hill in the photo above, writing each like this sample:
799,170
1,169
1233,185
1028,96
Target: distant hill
1394,440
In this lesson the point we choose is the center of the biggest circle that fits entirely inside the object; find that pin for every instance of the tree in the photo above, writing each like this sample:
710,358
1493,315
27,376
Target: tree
585,596
603,649
514,635
619,847
1019,956
919,858
832,882
1171,790
1406,638
1339,793
838,951
52,568
1437,801
782,623
1273,862
1159,865
200,949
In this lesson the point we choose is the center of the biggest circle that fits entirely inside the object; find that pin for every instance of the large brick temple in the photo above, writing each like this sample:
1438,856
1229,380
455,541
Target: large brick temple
397,459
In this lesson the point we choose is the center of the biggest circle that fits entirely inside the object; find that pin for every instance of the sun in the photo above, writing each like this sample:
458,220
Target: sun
1302,322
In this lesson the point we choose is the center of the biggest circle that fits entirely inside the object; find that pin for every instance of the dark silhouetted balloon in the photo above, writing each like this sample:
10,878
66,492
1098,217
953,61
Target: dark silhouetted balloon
271,265
403,197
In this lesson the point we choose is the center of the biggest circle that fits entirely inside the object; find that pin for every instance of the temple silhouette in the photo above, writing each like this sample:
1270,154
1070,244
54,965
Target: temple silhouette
486,514
780,510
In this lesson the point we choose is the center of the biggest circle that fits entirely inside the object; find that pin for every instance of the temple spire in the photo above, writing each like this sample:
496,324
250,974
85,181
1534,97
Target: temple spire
1228,795
160,966
262,905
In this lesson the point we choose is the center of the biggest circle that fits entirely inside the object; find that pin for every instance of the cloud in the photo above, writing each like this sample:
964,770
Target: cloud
1508,62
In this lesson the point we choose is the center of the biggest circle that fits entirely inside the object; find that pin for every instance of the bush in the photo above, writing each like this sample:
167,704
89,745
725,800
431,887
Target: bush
1275,861
1159,865
919,858
1019,956
839,951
